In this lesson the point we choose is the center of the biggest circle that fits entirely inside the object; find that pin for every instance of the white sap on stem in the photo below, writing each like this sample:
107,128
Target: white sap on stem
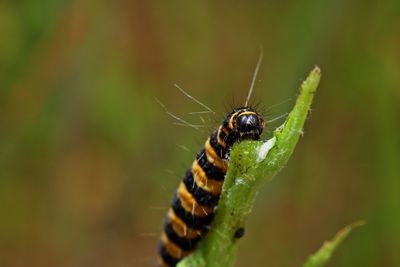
265,148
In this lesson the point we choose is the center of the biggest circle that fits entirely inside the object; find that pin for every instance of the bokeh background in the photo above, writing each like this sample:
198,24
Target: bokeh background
89,160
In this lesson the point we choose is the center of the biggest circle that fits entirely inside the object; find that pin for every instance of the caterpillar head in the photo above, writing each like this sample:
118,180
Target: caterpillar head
244,124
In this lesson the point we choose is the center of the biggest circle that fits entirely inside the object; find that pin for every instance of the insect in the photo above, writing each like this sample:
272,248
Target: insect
194,203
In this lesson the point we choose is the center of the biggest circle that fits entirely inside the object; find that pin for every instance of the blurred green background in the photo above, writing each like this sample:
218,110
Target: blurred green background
89,161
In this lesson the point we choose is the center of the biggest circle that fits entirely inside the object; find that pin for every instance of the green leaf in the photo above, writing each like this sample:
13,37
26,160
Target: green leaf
323,255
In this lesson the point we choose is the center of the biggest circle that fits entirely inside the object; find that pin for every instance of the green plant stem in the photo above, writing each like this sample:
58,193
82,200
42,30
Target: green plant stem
248,170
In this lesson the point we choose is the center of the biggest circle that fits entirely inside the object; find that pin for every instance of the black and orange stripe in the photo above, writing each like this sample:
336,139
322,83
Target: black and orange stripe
194,203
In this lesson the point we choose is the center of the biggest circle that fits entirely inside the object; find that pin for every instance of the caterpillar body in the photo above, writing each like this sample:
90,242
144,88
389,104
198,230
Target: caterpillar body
194,203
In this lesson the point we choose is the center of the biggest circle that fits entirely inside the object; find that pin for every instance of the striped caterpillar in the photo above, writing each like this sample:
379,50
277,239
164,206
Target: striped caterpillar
195,201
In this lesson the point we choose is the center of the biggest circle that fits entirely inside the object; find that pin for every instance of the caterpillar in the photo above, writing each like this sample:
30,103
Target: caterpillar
195,201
